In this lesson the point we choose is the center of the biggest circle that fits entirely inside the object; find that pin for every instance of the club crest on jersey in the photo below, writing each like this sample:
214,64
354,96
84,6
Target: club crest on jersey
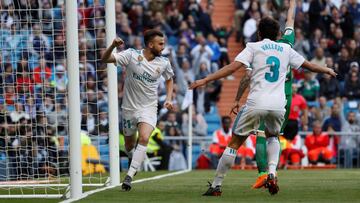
158,70
140,58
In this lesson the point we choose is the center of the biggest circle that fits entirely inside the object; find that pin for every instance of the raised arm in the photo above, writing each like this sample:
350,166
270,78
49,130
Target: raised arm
291,14
107,57
223,72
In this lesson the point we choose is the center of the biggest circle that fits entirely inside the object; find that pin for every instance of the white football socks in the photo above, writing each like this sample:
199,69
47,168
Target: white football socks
137,159
273,151
226,161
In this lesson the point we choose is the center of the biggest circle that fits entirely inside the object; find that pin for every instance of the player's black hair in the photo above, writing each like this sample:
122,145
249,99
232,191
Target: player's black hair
268,28
151,34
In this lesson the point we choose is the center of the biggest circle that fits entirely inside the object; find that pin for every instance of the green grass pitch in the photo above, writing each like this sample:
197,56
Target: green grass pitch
295,186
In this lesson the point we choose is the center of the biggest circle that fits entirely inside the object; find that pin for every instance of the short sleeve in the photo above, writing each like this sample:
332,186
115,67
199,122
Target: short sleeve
296,60
288,37
245,57
122,58
168,72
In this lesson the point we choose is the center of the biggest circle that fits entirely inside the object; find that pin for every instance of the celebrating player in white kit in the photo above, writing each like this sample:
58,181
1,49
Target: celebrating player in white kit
139,108
267,61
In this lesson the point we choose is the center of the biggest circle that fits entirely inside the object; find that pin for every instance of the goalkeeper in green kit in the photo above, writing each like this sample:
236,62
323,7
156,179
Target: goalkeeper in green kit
261,155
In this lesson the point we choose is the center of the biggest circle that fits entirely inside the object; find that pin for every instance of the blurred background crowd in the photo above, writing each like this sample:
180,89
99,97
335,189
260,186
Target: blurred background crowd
33,94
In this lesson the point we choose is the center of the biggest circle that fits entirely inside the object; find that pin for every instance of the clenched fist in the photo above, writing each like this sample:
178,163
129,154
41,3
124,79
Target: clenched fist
168,105
117,42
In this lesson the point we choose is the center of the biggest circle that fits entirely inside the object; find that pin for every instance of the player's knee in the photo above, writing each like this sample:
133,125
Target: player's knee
143,140
129,145
236,141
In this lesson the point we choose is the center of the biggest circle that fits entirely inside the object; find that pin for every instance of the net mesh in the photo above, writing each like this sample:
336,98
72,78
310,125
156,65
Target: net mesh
34,135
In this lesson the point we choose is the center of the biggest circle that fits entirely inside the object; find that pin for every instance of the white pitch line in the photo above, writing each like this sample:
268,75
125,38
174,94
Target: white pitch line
161,176
85,194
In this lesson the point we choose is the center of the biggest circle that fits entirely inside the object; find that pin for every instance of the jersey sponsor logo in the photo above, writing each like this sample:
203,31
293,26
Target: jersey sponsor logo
145,77
288,32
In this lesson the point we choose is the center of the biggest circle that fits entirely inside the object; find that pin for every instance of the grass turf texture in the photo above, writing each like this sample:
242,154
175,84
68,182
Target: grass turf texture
295,186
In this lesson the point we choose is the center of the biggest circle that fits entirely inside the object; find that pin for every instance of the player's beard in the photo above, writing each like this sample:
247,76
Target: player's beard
155,52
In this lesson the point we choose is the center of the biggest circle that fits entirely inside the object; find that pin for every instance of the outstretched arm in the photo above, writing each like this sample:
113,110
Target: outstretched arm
243,85
107,57
223,72
318,69
291,14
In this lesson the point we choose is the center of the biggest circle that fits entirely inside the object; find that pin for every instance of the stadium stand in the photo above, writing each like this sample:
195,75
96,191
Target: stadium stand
332,29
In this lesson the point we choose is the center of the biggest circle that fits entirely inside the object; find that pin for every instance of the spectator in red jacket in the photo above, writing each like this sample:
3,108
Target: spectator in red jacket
317,144
41,72
24,83
298,112
221,138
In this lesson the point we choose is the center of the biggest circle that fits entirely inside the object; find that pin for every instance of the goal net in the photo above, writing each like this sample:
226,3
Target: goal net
34,100
34,130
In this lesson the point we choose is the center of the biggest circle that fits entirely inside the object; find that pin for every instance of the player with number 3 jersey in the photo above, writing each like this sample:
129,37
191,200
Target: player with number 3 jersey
261,159
267,61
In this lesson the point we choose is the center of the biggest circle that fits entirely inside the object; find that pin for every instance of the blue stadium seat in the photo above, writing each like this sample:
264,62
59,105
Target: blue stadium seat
105,161
103,140
124,162
313,104
66,143
212,118
196,152
212,127
104,150
350,106
98,141
104,158
330,103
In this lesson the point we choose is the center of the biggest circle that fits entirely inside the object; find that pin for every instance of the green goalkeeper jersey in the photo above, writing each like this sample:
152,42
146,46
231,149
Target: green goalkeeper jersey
289,38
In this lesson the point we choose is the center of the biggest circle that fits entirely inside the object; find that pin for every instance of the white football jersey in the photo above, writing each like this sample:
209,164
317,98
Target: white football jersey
268,62
142,78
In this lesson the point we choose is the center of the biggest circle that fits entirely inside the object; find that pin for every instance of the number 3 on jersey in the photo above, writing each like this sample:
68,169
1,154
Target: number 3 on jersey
274,63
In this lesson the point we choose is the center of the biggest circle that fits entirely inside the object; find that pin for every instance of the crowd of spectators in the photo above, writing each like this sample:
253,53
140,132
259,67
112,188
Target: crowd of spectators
328,34
33,94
